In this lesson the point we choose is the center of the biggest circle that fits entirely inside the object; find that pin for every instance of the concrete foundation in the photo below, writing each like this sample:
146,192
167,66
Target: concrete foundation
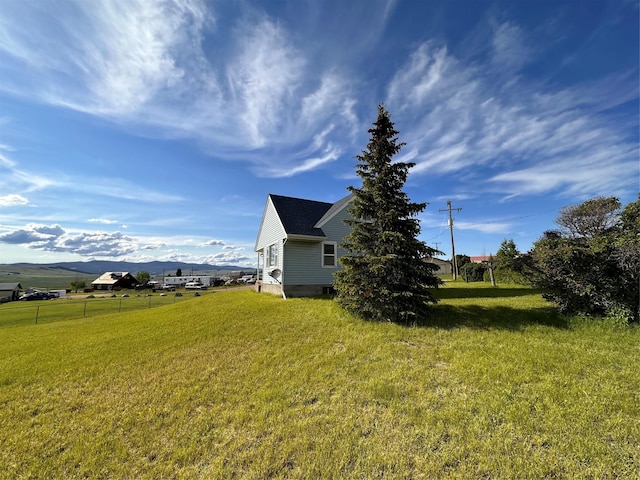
295,290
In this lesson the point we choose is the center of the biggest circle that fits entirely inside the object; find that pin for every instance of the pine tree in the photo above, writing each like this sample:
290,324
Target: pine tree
384,275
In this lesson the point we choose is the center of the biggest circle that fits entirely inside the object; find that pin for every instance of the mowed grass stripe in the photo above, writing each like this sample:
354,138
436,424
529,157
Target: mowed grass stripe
242,385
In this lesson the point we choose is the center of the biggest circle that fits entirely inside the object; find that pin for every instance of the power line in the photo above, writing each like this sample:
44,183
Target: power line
453,245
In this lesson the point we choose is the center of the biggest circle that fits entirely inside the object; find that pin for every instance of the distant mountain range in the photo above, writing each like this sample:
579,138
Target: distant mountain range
97,267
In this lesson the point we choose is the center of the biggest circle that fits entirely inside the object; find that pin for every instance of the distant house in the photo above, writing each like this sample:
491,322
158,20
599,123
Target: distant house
181,281
114,281
480,259
444,266
9,292
298,245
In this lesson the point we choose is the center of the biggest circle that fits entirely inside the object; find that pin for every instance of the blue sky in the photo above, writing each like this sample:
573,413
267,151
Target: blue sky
153,130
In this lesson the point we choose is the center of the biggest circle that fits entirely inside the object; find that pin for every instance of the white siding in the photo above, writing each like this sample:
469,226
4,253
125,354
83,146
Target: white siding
271,233
271,229
268,279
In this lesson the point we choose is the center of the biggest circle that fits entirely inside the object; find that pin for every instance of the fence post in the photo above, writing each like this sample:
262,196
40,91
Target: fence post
37,313
149,302
120,307
84,314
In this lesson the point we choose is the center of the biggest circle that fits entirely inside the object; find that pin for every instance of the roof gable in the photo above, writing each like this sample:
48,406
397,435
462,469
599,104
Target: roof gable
111,278
299,216
334,210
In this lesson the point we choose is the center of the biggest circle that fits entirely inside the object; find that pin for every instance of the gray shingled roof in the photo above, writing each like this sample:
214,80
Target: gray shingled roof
299,216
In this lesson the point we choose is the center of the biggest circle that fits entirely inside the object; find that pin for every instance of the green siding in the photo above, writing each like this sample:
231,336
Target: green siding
303,260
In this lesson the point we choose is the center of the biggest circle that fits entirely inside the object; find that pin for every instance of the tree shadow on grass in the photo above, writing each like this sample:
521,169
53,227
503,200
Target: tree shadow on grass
461,292
493,318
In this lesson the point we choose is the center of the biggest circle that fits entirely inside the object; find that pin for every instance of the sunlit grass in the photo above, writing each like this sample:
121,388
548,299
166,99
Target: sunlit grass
242,385
70,308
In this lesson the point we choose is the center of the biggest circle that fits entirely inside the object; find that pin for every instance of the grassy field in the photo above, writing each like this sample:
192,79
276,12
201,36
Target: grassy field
79,306
241,385
42,278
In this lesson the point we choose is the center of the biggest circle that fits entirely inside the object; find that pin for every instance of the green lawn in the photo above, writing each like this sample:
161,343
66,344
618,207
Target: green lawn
79,306
241,385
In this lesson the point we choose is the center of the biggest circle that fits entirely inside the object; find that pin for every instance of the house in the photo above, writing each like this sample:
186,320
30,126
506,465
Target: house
9,292
444,266
480,259
298,245
181,281
114,281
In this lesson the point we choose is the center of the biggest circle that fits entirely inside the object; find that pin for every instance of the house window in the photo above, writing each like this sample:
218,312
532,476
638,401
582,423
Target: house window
329,254
272,255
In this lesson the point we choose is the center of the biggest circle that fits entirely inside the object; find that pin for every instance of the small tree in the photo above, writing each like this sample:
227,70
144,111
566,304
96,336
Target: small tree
590,219
508,263
143,277
179,272
78,285
473,272
385,276
462,260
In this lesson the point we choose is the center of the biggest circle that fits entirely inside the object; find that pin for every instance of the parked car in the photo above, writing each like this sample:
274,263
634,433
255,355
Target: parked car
194,286
170,288
36,296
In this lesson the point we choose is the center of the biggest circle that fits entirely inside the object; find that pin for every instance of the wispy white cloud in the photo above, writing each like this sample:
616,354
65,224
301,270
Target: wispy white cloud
115,187
15,178
212,243
233,257
104,221
265,99
511,50
13,200
330,155
485,227
263,79
463,118
142,63
113,56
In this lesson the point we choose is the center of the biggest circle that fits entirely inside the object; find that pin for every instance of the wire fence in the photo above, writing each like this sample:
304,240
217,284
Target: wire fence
47,311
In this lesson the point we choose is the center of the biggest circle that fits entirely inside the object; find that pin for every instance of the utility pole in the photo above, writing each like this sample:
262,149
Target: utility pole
453,245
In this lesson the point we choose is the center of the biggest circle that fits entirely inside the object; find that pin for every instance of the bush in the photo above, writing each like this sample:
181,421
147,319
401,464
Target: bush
473,272
592,266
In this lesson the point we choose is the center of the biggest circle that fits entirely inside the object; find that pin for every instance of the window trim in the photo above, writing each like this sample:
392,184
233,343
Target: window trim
272,255
334,255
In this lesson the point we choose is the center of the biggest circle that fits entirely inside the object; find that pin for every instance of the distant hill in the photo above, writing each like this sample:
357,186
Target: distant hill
97,267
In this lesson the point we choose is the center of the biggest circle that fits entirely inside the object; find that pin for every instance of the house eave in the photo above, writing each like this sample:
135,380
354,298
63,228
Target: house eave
306,238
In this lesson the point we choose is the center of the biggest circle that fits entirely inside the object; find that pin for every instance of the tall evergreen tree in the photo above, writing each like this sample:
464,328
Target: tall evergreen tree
385,276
